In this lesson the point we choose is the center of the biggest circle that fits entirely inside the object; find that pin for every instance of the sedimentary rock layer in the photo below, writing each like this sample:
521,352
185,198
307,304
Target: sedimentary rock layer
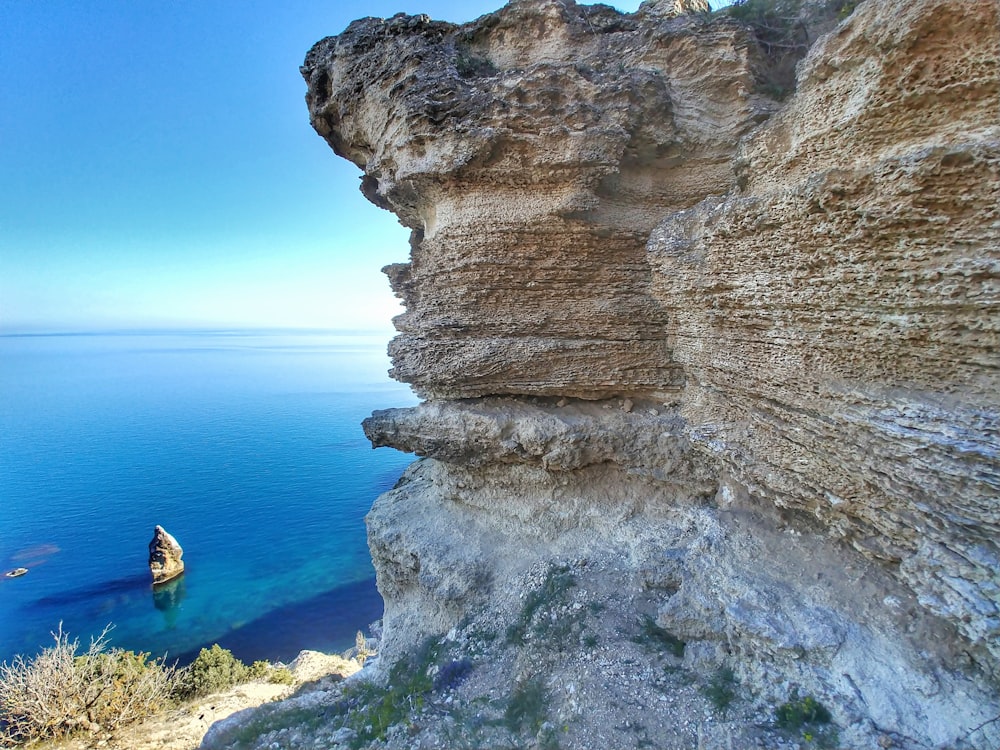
749,348
838,319
531,152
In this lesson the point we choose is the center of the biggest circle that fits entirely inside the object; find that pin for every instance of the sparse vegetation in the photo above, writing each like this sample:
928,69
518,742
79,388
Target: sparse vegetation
361,651
452,674
58,692
721,689
470,65
62,692
654,636
780,28
844,8
371,710
799,712
808,719
216,669
558,580
280,676
528,706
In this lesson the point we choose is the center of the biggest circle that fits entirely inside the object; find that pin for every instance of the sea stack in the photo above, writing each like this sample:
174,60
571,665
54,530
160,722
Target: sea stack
165,554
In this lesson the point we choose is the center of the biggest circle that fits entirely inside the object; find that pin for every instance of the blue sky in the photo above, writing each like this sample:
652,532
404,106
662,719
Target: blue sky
157,168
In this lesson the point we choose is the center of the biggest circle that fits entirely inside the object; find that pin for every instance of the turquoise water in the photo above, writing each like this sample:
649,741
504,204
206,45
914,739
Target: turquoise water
246,446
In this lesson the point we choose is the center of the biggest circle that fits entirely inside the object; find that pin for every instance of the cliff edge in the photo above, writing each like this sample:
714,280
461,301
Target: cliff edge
730,358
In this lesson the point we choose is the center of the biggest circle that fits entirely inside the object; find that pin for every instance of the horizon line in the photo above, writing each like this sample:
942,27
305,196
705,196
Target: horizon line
203,329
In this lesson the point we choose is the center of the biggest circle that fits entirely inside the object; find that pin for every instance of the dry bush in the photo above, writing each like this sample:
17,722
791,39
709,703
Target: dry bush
58,692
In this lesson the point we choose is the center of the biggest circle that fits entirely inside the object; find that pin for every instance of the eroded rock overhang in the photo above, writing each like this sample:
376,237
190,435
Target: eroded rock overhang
531,152
600,218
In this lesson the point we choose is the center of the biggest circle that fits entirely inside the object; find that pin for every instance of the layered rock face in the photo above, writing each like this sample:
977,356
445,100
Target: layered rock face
743,348
836,318
531,153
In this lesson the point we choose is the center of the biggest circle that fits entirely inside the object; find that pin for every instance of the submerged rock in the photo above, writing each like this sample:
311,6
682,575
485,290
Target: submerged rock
164,556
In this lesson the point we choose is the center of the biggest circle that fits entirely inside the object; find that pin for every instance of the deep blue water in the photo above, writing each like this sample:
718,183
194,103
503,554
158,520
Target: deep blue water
246,446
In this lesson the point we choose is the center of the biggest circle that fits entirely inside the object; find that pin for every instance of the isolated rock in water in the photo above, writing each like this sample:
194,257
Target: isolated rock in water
164,556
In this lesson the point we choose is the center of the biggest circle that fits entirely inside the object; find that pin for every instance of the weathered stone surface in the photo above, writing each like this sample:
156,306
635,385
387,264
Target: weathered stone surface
531,152
836,318
647,441
755,362
672,8
164,556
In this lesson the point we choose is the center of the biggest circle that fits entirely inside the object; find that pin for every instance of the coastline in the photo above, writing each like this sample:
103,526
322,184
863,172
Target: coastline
327,623
234,442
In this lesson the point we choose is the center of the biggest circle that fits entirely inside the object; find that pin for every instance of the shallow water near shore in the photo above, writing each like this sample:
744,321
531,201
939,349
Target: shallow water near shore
246,446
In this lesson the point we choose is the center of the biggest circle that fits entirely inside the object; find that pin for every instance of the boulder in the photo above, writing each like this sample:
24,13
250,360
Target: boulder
165,555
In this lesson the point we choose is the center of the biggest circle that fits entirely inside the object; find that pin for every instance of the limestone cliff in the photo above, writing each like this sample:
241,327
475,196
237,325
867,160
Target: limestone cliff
836,317
741,351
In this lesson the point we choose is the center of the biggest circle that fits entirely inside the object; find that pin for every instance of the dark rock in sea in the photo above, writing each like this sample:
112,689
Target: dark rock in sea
164,557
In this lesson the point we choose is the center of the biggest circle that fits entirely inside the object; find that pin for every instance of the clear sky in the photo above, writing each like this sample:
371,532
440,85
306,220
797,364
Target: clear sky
157,168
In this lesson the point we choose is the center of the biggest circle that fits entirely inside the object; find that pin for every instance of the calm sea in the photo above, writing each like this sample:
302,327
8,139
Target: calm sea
246,446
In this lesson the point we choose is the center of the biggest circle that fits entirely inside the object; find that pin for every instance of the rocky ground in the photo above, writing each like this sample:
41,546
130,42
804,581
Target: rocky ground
576,662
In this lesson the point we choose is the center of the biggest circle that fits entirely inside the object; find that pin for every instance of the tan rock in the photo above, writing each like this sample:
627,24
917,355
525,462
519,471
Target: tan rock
597,216
836,318
531,167
164,557
310,666
672,8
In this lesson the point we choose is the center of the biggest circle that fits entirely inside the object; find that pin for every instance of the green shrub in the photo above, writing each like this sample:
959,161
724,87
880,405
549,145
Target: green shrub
216,669
280,676
721,689
58,692
799,712
844,8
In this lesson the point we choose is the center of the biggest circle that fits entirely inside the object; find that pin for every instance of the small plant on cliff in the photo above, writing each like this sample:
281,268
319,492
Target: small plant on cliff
452,674
798,712
372,710
528,706
721,689
361,651
778,27
58,693
470,65
844,8
809,719
558,580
